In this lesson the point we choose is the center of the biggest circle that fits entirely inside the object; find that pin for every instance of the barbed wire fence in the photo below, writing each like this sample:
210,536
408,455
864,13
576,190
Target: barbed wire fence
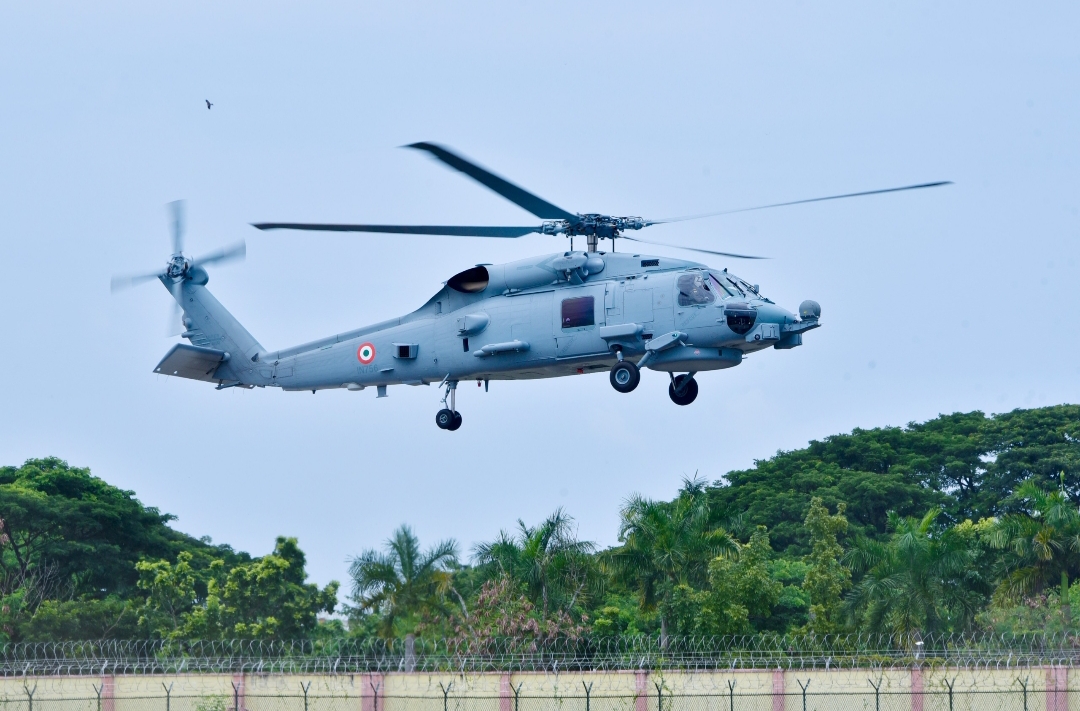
596,654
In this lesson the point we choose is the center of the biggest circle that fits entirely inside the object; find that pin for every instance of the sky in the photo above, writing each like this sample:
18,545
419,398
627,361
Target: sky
953,299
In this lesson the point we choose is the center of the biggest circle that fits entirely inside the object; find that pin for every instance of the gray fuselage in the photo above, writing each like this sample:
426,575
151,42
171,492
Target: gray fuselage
561,314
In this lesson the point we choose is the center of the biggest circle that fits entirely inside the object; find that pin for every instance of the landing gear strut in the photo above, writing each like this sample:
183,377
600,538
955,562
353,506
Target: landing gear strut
683,389
449,418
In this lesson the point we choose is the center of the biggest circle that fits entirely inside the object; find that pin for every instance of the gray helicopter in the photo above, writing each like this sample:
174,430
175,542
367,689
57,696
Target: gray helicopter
568,313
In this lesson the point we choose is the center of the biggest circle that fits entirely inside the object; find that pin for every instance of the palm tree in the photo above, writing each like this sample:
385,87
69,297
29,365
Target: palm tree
1042,543
666,544
555,567
402,580
914,581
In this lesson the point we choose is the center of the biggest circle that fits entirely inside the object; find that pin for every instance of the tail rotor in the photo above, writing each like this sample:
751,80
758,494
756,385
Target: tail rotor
180,268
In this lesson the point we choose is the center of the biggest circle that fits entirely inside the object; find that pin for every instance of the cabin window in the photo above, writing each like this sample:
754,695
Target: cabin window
578,312
694,290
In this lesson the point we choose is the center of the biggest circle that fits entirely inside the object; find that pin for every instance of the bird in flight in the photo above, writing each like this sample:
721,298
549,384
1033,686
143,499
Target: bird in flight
208,104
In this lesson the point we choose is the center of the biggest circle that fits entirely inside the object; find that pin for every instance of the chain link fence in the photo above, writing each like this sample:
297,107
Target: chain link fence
658,699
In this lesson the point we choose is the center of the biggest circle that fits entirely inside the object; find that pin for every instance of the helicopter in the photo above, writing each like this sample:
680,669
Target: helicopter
572,312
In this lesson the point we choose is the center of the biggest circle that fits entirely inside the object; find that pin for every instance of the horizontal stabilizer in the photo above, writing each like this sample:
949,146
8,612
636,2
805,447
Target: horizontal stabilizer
192,362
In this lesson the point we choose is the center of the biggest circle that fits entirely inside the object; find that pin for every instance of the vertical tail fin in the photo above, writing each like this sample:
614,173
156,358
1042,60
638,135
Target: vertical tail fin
209,324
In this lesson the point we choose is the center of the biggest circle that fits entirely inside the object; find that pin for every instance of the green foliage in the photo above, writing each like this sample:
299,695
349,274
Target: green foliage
966,463
556,568
90,618
82,559
741,594
920,580
1041,542
827,577
264,598
86,533
501,611
211,703
667,546
402,583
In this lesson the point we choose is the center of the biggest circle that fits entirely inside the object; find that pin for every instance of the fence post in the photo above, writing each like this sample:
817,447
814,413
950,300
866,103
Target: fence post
236,696
731,694
804,688
659,695
30,694
168,696
950,685
446,695
305,688
517,692
98,690
877,694
1023,685
588,693
374,698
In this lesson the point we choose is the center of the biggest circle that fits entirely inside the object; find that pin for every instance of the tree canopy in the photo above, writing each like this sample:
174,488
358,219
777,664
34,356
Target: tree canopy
962,523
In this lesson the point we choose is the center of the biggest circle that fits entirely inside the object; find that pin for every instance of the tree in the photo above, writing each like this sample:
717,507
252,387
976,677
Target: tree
87,533
741,592
403,581
1041,543
665,545
918,581
263,598
501,613
827,577
553,565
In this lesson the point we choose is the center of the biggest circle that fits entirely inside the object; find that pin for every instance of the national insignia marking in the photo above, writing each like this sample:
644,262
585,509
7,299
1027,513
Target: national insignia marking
365,353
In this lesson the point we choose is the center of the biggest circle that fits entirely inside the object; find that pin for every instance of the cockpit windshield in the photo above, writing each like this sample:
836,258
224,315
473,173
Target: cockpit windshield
728,285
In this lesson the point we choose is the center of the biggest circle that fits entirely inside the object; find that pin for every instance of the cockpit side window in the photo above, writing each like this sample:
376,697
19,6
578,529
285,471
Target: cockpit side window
694,290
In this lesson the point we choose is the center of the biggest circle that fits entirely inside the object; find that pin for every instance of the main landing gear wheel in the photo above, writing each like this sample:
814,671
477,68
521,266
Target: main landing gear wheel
445,419
625,376
683,390
456,423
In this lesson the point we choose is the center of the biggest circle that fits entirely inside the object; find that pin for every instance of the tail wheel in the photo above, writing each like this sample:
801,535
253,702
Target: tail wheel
625,376
683,391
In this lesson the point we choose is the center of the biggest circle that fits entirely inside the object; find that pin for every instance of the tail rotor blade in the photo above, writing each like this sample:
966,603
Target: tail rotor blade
177,209
226,254
119,283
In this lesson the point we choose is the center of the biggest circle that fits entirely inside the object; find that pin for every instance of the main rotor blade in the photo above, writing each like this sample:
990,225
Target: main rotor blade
225,254
692,249
177,208
800,202
451,230
536,205
118,283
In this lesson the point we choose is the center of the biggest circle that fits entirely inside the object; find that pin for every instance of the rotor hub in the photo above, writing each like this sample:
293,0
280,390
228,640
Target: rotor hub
178,266
593,224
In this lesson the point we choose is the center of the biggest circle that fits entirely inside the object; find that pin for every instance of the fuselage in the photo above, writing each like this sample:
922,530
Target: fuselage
560,314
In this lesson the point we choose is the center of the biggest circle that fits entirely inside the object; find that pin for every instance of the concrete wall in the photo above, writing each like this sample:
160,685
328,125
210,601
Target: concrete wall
925,689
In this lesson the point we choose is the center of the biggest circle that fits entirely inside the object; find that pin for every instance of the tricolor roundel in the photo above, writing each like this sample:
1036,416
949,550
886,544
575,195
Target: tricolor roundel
365,353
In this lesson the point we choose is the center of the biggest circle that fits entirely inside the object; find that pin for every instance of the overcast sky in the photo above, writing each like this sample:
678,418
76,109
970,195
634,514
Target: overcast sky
952,299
